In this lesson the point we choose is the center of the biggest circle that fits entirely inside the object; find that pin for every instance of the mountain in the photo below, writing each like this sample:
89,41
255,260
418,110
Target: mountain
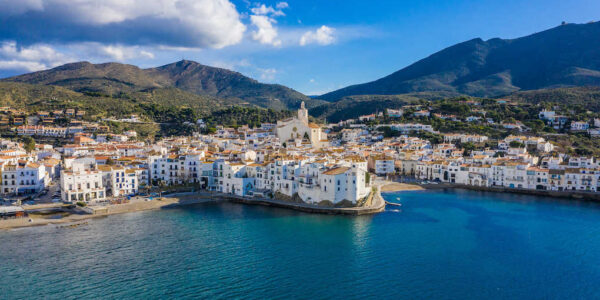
116,79
567,55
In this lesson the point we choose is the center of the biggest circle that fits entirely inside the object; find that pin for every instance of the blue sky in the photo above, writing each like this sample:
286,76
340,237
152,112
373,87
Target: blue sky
312,46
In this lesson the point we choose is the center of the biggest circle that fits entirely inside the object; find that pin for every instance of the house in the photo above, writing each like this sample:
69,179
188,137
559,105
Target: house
82,182
364,118
579,126
380,164
24,178
394,113
421,113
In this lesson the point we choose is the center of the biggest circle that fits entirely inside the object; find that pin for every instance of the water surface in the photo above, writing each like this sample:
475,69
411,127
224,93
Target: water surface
439,244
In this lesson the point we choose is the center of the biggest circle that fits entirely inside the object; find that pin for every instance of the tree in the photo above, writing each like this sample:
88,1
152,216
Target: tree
468,148
516,144
28,144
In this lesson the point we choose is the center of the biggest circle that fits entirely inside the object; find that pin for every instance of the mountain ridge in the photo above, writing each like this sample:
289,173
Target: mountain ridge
567,55
115,78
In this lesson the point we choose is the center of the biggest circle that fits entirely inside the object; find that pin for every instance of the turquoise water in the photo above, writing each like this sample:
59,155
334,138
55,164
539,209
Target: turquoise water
438,245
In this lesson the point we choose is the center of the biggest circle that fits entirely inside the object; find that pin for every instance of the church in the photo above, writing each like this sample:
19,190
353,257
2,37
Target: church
298,128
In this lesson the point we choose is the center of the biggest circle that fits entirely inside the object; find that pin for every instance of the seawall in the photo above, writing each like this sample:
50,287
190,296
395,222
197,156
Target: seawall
353,211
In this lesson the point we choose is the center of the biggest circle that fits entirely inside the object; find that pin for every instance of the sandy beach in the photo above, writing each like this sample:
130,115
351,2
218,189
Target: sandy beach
398,187
103,211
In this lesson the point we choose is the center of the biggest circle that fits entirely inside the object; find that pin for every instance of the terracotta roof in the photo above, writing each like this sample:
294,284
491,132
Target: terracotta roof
336,171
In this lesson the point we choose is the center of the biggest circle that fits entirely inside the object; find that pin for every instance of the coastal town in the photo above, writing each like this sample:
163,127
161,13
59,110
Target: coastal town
295,160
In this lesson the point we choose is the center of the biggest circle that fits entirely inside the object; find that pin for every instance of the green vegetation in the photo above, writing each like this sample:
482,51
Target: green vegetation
28,144
577,98
173,83
252,116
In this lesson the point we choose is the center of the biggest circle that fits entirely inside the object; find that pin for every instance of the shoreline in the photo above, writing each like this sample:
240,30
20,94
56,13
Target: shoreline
116,209
565,195
391,187
183,199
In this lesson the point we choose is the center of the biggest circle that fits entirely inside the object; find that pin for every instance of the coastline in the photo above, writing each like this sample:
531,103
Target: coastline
567,195
173,201
182,199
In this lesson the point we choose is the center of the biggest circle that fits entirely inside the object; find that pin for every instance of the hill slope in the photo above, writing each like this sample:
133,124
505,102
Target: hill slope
568,55
115,78
37,97
588,97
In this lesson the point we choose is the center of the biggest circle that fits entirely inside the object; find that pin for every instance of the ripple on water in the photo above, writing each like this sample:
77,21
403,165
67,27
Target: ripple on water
441,244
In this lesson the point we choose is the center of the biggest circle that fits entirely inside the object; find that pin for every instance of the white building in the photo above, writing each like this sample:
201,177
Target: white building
27,179
351,134
394,113
381,165
299,128
580,126
166,170
83,182
335,185
124,182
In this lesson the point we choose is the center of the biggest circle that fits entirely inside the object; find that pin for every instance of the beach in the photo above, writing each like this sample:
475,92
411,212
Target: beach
389,186
136,205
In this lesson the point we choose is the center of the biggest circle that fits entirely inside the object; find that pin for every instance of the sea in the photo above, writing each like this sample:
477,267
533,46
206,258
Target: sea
439,244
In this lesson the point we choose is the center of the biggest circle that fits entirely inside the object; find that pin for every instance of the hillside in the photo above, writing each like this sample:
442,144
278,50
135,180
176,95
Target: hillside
352,107
36,97
567,55
588,97
115,79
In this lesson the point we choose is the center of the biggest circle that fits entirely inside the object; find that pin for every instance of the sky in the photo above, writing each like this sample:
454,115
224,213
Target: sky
313,46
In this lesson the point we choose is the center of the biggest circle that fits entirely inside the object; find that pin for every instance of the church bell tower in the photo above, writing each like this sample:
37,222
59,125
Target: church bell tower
303,113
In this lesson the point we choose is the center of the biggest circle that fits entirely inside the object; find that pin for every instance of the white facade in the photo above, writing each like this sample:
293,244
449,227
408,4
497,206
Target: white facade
27,179
300,128
82,183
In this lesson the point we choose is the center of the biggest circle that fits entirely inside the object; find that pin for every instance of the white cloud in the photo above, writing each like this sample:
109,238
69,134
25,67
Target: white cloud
32,58
322,36
230,65
263,19
122,53
208,23
264,10
312,80
267,74
29,66
265,32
